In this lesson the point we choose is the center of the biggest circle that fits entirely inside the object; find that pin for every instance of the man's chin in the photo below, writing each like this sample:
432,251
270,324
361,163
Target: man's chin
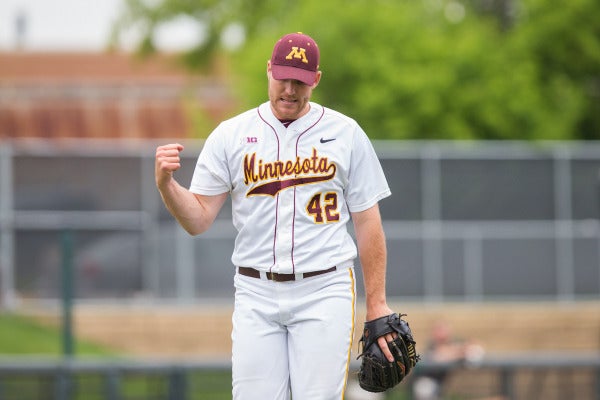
288,112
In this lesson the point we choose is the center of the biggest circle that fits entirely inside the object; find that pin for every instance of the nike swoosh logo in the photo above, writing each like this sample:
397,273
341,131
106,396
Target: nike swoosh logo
326,140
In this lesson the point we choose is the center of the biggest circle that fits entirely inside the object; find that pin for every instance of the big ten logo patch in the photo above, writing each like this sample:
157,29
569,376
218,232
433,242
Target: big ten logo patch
248,140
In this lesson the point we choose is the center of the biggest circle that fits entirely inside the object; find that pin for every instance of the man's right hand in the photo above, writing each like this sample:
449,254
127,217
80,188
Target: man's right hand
167,161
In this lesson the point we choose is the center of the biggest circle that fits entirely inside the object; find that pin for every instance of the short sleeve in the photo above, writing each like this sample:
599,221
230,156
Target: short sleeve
366,180
211,175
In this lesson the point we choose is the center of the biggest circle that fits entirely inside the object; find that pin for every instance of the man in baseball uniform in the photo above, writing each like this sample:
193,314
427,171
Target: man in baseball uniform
297,173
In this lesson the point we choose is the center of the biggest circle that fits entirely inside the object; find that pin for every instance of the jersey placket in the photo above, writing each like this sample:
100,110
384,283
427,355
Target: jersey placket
286,208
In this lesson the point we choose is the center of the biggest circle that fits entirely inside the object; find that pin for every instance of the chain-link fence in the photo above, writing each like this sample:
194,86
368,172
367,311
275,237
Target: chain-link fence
466,221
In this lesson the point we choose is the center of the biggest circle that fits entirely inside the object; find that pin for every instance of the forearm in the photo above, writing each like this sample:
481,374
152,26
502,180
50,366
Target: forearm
372,251
184,207
373,259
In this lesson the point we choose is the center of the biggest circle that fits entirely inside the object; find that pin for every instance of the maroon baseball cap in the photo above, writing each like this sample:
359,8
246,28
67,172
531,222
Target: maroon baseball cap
295,56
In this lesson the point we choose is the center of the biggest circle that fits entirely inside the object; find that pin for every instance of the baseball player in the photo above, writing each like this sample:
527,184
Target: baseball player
297,173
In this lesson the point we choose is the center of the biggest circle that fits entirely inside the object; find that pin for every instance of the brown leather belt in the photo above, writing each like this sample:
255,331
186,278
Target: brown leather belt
274,276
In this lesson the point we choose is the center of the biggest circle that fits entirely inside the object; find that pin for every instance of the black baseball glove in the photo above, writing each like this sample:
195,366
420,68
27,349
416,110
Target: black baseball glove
376,373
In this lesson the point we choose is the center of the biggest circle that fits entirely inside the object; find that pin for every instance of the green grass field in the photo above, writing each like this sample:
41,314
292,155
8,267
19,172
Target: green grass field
22,336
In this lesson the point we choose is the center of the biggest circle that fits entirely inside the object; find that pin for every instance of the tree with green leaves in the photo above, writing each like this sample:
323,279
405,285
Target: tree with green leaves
430,69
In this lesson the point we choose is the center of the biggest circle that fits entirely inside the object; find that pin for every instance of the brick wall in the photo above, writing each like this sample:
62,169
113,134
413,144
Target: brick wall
104,95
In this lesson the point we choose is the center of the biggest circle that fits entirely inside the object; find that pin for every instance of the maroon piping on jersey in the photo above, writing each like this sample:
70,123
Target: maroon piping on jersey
277,200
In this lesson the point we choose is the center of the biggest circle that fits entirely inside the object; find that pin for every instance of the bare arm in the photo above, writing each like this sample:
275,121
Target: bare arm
372,251
370,239
194,212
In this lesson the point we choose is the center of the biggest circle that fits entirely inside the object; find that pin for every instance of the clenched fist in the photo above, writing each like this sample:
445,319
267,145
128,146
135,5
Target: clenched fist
167,161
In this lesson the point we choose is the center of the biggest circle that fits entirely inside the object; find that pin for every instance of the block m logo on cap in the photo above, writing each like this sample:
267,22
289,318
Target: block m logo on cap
297,53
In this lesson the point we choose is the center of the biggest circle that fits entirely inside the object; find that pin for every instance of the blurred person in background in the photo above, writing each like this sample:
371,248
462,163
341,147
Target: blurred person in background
444,348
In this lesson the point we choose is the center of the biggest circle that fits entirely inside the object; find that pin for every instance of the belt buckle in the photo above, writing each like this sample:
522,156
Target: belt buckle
271,276
275,277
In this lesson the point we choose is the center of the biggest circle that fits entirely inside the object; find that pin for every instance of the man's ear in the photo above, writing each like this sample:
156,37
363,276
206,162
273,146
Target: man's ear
317,79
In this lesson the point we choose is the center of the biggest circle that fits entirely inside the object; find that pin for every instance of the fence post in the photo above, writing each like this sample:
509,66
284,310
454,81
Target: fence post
63,381
113,384
507,382
177,384
7,230
67,293
597,382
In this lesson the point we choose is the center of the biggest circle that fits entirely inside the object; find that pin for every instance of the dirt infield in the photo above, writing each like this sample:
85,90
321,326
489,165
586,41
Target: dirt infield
204,330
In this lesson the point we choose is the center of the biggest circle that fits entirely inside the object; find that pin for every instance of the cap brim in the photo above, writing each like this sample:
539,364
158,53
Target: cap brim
282,72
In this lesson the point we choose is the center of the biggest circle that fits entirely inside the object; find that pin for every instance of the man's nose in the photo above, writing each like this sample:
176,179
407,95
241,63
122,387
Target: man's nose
289,86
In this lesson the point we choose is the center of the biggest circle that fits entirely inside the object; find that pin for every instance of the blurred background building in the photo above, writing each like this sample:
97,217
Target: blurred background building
54,95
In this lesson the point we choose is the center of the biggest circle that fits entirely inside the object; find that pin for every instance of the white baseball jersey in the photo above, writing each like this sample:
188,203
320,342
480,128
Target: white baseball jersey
292,188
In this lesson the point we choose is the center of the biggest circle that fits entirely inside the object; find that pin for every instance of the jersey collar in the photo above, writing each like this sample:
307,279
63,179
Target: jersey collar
301,124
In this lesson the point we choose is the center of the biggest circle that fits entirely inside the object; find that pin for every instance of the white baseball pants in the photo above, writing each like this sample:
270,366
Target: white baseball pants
293,338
